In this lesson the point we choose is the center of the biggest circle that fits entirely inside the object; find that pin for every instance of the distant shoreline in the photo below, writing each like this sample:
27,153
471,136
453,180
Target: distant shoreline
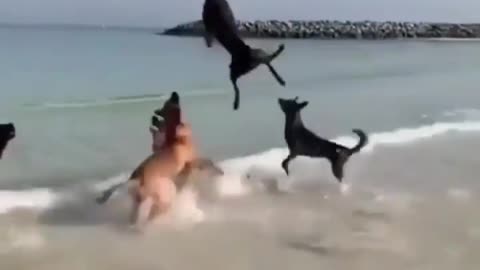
77,27
338,30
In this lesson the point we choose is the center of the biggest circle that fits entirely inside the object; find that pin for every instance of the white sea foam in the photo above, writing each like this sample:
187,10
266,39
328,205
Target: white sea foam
243,174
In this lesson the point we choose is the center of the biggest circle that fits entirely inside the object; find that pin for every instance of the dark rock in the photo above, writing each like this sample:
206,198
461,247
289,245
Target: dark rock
337,30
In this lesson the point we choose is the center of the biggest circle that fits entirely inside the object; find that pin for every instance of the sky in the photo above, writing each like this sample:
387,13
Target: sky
164,13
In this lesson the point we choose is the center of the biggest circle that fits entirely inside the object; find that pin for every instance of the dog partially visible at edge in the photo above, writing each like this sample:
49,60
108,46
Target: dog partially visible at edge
161,175
303,142
7,133
219,22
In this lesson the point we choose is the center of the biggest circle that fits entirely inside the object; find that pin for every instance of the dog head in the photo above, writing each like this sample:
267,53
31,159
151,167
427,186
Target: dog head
173,102
290,106
172,114
7,133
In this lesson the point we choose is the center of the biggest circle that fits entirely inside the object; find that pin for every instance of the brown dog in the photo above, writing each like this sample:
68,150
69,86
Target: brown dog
165,171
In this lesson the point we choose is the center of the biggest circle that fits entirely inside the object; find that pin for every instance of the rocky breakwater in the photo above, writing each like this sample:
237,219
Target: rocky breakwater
338,29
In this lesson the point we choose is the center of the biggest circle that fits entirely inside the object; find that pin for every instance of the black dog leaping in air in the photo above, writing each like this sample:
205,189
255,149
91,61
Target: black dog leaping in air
303,142
219,22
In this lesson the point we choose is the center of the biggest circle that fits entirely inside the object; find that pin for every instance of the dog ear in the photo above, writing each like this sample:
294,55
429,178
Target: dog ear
303,105
174,98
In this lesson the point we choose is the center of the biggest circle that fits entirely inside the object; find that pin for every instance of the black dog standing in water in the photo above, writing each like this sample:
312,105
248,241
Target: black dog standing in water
303,142
219,22
7,133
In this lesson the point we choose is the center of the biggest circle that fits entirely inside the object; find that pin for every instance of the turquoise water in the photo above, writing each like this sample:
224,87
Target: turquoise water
88,95
82,101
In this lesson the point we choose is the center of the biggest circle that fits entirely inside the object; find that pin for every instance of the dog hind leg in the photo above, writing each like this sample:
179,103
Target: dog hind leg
260,56
275,54
338,164
275,74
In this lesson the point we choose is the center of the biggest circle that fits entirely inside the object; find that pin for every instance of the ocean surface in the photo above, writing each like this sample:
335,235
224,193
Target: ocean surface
82,101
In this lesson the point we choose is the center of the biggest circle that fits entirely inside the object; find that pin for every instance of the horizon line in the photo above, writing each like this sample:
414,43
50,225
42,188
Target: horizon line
157,28
79,25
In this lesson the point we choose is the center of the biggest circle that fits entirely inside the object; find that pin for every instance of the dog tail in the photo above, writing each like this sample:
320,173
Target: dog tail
106,194
361,143
338,161
109,192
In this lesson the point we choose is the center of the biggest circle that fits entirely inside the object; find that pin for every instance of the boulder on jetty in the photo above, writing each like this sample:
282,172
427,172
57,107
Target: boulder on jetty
325,29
